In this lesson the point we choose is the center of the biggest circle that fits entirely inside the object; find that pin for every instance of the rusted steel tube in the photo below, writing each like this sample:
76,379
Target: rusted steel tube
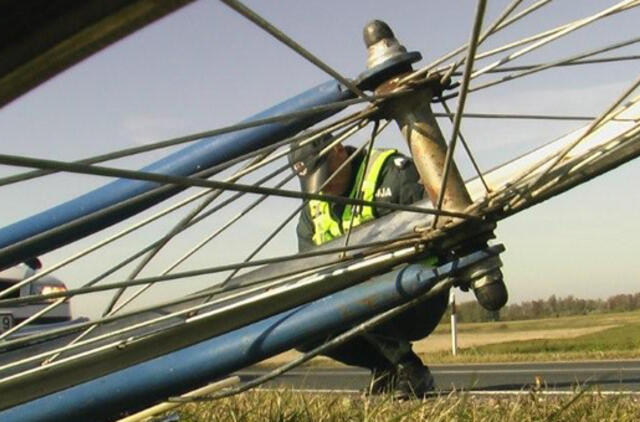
417,123
429,149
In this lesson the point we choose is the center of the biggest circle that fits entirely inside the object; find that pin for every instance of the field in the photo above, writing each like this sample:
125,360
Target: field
601,336
586,337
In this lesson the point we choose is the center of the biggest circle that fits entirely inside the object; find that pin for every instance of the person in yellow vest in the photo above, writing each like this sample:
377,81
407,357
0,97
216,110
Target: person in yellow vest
392,177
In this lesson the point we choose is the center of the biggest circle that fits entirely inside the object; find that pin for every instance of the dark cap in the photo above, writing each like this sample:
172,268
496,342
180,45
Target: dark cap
311,168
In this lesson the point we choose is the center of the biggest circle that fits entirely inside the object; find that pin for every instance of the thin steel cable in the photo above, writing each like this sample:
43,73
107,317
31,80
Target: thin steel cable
426,69
102,243
70,226
467,149
544,34
531,169
204,215
359,329
601,119
567,30
500,198
286,221
185,223
541,163
131,229
182,181
259,286
193,137
286,40
515,116
214,235
175,230
543,190
492,28
398,242
358,210
306,136
555,63
338,139
522,41
473,39
225,226
148,248
611,59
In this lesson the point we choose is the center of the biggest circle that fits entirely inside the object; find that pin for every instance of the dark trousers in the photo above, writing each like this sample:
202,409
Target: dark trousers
397,333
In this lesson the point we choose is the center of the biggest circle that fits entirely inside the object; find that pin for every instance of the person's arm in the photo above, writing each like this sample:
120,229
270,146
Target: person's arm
304,230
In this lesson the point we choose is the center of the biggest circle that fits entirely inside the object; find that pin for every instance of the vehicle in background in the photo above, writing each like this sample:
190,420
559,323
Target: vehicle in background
12,315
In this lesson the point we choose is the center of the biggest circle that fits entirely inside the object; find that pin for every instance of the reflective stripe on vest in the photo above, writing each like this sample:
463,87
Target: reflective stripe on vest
325,226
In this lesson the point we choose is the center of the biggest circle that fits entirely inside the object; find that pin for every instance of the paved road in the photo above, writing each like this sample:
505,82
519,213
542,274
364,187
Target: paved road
609,376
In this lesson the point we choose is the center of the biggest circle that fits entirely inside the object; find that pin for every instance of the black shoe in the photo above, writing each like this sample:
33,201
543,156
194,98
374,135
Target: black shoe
410,379
413,379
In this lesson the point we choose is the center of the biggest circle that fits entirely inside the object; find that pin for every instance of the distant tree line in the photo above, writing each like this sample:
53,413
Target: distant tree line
549,308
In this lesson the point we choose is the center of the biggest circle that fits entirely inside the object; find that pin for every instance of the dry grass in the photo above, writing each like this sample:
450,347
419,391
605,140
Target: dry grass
583,337
284,406
608,336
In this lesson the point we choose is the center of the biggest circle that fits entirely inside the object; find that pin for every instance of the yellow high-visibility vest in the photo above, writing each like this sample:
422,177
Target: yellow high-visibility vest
325,226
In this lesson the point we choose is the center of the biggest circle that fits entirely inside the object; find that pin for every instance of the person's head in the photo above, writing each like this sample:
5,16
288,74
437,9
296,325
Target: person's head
314,170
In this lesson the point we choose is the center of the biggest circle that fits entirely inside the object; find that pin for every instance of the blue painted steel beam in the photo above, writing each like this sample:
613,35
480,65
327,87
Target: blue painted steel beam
177,372
99,208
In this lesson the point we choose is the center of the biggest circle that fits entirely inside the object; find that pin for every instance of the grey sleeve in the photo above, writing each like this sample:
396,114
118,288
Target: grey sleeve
304,230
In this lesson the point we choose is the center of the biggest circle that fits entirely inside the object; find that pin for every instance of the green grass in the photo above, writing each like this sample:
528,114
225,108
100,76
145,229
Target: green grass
622,338
622,342
283,406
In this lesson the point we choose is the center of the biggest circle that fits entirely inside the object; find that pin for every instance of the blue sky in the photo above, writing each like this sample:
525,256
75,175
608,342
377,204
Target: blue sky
206,67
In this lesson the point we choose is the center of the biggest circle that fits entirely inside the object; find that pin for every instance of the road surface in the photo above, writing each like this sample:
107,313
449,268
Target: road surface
557,376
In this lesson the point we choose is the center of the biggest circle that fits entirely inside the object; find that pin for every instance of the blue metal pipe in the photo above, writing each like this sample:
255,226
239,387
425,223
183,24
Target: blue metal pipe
201,155
144,384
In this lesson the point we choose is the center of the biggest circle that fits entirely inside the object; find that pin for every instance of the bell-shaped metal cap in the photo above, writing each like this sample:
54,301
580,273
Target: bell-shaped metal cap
381,44
375,31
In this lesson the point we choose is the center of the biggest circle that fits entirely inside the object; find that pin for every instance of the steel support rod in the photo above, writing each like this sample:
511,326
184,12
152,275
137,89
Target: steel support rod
432,157
429,150
418,125
449,164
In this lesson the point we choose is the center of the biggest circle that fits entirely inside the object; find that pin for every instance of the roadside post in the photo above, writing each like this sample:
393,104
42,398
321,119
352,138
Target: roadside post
454,328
